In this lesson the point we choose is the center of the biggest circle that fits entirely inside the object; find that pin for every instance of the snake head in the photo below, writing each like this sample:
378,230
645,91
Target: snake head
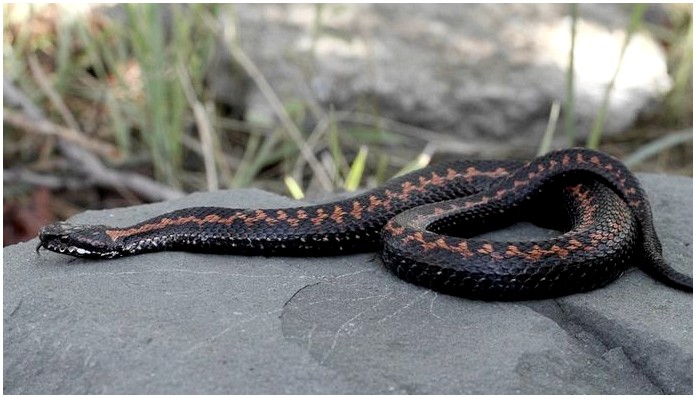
88,241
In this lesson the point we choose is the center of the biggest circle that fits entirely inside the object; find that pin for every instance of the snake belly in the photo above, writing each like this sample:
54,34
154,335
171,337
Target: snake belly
424,225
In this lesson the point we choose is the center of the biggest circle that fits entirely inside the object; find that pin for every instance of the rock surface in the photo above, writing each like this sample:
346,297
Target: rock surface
487,73
182,323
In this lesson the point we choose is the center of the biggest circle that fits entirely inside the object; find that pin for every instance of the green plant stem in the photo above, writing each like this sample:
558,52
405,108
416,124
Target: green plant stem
598,125
291,129
659,145
569,114
550,129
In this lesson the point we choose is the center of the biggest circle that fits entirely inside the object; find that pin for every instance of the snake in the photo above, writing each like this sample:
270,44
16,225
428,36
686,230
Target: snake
426,227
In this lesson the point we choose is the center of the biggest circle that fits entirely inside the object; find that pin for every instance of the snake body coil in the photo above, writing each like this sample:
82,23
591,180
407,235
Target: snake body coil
423,225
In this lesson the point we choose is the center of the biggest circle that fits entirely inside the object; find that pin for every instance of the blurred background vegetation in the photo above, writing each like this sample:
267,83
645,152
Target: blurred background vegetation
100,114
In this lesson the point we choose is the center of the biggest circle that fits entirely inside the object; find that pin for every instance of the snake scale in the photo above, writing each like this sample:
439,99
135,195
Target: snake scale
424,226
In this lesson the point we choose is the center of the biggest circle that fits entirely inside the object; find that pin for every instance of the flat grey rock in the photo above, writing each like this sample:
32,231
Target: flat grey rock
182,323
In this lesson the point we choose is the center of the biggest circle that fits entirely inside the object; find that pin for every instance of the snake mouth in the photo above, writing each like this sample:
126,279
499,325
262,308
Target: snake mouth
87,241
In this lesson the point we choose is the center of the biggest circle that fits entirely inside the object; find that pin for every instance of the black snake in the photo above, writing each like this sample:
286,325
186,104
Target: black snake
424,225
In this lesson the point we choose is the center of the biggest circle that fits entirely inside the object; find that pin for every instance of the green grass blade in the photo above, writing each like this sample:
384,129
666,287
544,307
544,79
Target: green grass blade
293,188
357,169
550,129
661,144
421,161
598,125
339,160
569,112
677,100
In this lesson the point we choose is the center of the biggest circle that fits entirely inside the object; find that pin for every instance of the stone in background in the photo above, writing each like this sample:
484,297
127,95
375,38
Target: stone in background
485,73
